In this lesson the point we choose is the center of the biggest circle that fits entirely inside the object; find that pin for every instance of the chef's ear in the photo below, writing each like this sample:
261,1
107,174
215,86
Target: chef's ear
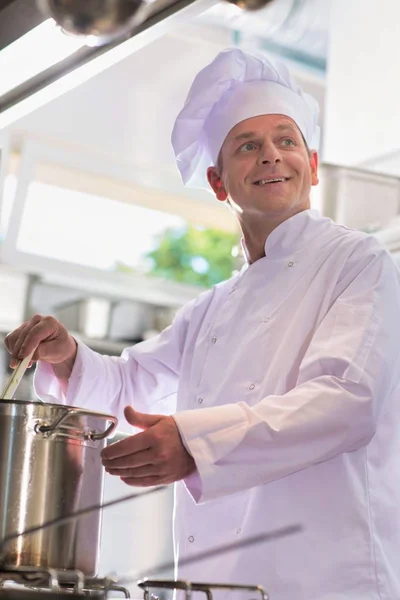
313,156
215,181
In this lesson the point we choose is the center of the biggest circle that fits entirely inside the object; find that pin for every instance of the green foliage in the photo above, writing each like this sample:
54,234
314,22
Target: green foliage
195,255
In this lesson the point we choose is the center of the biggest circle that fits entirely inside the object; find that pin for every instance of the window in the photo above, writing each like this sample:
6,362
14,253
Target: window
89,230
56,217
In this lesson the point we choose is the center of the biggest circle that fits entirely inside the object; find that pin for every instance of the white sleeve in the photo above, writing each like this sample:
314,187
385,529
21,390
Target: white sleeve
146,375
349,370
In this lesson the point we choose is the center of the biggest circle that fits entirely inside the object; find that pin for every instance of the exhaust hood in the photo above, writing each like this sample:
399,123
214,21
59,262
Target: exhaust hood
34,75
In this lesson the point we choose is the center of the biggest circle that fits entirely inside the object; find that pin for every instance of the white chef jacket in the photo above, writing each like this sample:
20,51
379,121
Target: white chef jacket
286,384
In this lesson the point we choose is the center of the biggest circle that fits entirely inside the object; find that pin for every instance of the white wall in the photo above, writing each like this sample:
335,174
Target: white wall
363,88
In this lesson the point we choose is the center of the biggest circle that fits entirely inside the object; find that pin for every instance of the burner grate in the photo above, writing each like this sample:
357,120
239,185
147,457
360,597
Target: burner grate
73,583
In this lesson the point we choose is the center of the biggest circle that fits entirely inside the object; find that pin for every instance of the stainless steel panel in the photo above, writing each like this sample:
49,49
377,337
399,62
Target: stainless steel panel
51,467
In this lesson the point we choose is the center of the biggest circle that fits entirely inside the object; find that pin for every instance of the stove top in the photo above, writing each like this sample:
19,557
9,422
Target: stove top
27,583
30,583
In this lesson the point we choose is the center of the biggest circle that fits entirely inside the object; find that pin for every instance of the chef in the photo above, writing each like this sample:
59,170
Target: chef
273,399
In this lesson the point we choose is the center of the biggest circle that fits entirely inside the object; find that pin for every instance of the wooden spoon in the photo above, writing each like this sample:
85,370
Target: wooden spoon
15,379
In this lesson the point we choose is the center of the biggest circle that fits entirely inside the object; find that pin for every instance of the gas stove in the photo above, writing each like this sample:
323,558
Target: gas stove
30,583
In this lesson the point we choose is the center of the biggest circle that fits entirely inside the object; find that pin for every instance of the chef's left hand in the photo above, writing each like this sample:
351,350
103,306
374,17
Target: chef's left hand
155,456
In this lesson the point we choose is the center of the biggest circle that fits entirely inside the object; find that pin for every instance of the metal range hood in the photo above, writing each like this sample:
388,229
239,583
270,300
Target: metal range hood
20,17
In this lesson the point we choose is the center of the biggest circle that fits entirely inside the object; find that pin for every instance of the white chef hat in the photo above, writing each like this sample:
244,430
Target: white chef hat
235,86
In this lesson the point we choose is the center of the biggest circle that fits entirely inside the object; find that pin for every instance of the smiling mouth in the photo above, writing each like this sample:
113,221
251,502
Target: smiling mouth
272,180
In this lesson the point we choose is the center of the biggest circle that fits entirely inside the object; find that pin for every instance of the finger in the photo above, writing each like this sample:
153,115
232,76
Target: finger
139,473
131,445
34,336
12,337
16,351
141,420
45,349
144,482
23,331
140,459
14,363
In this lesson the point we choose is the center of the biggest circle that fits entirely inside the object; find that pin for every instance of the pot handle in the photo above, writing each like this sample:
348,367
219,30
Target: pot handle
43,427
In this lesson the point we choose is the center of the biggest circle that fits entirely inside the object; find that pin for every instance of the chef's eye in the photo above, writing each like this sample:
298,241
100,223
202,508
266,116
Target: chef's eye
247,147
288,142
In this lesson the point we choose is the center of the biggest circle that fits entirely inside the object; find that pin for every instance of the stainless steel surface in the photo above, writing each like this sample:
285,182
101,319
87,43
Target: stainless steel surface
188,587
129,320
60,427
51,467
250,4
161,13
88,316
58,581
99,20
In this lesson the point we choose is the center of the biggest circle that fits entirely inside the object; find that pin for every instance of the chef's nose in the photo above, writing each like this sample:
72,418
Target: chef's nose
269,154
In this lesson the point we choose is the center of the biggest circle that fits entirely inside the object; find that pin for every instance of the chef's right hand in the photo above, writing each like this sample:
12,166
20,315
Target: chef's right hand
52,341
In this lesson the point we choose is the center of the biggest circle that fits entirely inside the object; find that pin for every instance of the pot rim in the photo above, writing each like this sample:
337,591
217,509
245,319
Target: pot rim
67,407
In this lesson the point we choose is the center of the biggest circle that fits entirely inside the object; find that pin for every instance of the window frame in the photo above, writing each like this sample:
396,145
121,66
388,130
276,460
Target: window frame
36,153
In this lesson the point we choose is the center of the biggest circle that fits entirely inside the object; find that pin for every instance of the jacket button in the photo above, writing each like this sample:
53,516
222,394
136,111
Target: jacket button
238,530
191,539
200,400
214,339
252,386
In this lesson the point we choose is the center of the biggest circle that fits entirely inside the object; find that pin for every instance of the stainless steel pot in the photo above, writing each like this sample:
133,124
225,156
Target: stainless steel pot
50,466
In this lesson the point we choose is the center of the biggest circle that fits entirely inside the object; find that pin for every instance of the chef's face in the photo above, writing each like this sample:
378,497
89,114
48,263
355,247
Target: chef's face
265,168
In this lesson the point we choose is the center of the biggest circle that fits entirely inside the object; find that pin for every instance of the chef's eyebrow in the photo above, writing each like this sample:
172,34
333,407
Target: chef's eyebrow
246,135
288,127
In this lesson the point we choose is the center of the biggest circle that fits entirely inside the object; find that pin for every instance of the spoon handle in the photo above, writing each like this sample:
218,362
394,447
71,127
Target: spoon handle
15,379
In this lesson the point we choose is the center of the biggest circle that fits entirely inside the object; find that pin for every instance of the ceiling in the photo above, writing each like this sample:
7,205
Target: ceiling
295,29
126,112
